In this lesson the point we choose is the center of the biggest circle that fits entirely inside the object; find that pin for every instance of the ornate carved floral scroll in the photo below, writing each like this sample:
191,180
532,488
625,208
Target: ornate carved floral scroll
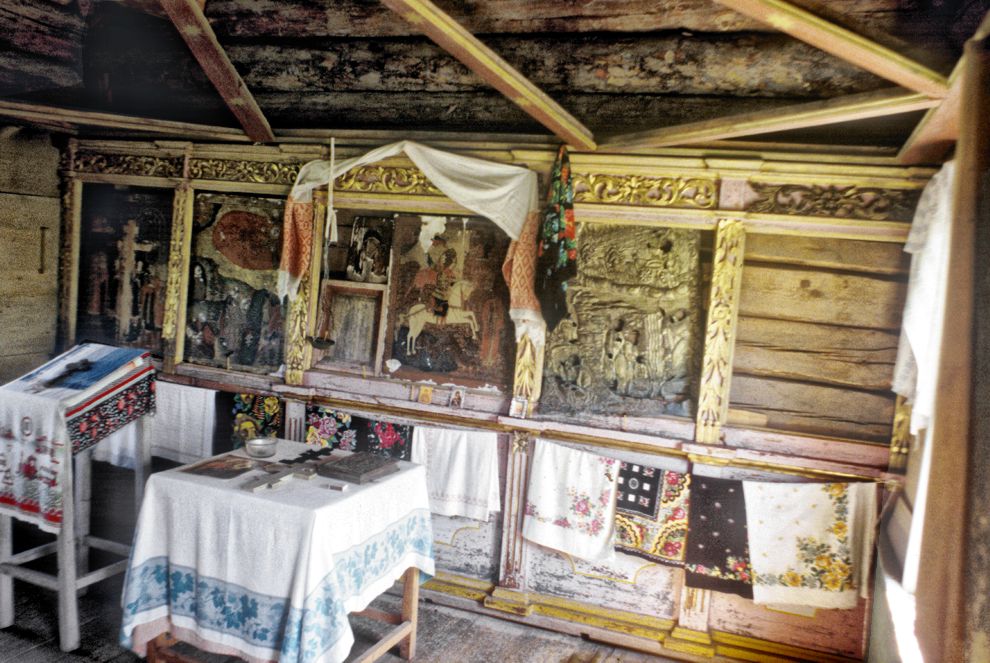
173,287
387,179
689,192
848,202
629,342
128,164
720,336
233,170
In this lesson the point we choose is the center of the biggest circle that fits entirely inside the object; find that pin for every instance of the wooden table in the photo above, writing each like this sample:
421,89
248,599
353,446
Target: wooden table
274,573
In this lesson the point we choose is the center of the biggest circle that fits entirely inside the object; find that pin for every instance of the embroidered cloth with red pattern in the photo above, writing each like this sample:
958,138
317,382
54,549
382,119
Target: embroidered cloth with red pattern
61,408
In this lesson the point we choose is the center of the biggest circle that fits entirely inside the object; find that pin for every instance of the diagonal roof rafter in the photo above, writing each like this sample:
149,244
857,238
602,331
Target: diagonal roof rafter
470,51
195,29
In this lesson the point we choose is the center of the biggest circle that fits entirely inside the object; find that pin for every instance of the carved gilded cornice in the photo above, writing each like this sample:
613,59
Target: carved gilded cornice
127,164
611,189
387,179
846,202
240,170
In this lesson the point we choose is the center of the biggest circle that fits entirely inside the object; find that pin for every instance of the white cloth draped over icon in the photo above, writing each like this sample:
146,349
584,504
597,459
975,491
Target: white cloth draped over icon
461,470
810,544
570,501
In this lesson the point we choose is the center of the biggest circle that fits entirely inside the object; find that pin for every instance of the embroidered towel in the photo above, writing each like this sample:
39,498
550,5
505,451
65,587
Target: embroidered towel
461,470
182,429
570,501
651,516
811,543
33,451
717,555
327,427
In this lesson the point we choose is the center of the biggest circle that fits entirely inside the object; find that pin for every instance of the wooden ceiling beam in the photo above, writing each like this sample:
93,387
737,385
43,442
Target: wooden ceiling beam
938,130
818,113
50,117
842,43
189,20
461,44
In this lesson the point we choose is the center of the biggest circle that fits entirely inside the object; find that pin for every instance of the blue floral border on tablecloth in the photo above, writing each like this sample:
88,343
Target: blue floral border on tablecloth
268,622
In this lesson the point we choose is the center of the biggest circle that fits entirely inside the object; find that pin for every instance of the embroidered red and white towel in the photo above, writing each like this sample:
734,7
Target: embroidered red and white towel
810,544
461,470
570,501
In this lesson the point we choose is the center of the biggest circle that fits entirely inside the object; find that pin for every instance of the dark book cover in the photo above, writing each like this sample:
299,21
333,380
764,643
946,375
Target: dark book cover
359,467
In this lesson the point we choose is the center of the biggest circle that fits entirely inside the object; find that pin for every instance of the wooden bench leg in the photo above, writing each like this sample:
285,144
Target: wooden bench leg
68,607
410,611
6,582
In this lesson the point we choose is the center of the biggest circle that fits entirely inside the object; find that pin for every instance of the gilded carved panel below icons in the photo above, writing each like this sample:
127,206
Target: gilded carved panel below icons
630,342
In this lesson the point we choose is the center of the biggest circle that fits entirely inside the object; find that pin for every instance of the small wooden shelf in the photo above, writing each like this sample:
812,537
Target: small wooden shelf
356,285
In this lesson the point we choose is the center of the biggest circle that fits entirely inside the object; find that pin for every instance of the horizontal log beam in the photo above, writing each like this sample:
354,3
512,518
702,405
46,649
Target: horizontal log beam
814,114
301,19
480,59
744,65
843,43
187,15
51,115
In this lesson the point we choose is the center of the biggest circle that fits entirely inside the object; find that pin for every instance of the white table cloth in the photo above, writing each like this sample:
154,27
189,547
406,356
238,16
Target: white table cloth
270,575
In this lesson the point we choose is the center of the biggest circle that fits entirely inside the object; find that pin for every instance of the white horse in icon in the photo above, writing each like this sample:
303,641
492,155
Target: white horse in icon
420,315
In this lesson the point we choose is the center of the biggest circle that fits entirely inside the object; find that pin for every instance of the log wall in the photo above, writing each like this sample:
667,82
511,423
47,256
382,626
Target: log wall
29,250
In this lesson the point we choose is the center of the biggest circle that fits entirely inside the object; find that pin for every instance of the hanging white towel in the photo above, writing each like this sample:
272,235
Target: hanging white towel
181,429
570,501
120,447
810,544
461,470
924,308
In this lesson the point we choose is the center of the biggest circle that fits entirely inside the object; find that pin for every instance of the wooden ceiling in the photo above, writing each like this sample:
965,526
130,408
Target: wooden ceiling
614,75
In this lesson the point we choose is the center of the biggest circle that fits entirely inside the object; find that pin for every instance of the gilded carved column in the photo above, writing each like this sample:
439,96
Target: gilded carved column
302,309
176,292
510,595
900,436
691,635
720,333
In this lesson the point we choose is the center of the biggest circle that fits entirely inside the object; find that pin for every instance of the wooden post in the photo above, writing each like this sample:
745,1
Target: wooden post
410,611
68,608
142,464
6,582
510,595
941,590
83,493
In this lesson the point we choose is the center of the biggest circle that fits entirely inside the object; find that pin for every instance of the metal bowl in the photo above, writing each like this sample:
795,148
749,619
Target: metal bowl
260,447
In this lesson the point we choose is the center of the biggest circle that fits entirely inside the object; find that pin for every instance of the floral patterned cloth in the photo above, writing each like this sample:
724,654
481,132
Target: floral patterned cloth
270,576
326,427
811,543
51,413
717,555
651,518
556,248
256,415
570,501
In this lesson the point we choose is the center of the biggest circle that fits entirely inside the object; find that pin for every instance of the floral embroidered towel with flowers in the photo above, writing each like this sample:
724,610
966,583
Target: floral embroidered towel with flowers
651,518
570,501
717,555
810,543
461,470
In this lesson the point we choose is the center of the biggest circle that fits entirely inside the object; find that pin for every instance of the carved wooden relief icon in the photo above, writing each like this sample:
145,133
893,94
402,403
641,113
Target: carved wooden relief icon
123,265
234,318
630,341
449,305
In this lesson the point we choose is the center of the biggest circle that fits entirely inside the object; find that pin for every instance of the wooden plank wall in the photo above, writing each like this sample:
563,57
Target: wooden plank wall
29,201
818,333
